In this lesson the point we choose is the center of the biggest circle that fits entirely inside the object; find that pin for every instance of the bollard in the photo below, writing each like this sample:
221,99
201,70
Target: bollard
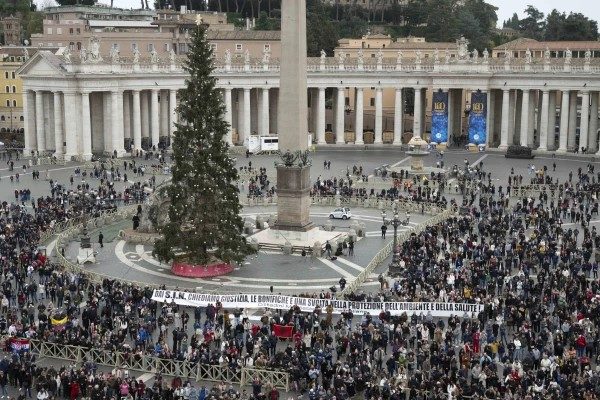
317,249
287,248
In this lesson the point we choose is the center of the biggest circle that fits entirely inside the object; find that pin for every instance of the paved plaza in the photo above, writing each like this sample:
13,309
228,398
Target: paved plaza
286,274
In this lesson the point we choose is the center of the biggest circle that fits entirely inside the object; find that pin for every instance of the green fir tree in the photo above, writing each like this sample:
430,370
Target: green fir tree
204,222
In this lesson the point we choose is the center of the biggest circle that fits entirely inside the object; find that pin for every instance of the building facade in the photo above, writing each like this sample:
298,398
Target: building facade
549,104
144,31
12,30
518,48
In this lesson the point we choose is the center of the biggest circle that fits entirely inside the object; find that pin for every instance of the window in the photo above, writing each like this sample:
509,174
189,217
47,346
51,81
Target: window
115,46
14,103
213,46
13,74
78,45
7,103
150,47
372,101
71,46
347,101
78,31
2,118
59,31
5,74
267,47
21,118
70,31
7,89
14,89
133,46
166,47
49,31
238,47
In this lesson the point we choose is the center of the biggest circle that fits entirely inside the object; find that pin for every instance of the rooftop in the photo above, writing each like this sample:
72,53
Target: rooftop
532,44
243,35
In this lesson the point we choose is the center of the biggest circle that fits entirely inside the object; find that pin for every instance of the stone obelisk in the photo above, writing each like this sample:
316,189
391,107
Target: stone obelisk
293,175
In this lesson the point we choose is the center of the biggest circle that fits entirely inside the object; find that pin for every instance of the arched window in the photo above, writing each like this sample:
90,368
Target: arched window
14,103
78,45
6,74
2,118
7,89
7,103
21,118
14,89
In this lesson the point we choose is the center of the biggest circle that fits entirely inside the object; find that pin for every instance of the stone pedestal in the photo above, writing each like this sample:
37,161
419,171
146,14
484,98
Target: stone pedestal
293,198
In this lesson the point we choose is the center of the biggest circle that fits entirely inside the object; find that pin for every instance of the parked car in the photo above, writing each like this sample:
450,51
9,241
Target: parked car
341,213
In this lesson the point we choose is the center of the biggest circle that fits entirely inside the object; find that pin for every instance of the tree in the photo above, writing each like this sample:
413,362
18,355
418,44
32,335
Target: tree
554,25
321,33
204,221
579,27
512,23
532,26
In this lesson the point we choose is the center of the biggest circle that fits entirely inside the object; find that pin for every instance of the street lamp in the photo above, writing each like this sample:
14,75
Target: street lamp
395,221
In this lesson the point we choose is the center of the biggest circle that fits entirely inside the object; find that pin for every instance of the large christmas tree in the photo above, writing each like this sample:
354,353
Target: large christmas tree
204,223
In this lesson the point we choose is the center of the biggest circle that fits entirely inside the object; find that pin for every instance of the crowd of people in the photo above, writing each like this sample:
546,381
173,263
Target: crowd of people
530,262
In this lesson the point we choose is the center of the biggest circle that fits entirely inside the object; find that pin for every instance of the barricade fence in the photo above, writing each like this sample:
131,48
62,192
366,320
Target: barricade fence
242,376
406,205
553,191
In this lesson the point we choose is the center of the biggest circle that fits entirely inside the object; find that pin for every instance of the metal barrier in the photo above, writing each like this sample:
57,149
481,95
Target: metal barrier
354,201
185,369
385,252
534,190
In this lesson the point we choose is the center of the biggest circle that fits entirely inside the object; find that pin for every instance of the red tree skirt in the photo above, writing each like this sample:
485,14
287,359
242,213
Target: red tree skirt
201,271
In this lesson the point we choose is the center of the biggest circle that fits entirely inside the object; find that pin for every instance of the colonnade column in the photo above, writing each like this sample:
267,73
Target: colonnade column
505,119
228,114
552,120
584,123
571,139
29,117
359,116
264,117
321,117
39,121
544,120
70,125
137,121
378,116
594,121
525,118
154,117
117,121
164,113
398,117
564,122
173,115
58,129
339,116
86,126
417,113
246,128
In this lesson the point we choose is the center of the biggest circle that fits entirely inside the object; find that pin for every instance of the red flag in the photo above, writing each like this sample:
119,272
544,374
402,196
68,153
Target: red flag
283,331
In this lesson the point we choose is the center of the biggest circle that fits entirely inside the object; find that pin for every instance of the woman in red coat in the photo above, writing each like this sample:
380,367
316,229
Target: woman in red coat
74,390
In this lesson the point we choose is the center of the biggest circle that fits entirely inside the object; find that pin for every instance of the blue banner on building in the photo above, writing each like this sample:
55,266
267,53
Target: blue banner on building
439,117
478,118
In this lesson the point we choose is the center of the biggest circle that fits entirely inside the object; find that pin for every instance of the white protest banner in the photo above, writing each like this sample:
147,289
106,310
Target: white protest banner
277,302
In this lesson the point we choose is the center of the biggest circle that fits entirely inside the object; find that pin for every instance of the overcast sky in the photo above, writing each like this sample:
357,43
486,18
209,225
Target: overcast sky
589,8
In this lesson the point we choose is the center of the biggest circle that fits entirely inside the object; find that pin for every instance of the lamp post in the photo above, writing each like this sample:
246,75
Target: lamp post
395,221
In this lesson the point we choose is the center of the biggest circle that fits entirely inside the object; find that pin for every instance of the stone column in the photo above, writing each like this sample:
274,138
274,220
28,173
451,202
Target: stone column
86,126
584,122
552,120
144,113
489,124
505,119
264,115
417,113
339,116
39,121
30,138
137,121
544,120
572,139
116,98
173,115
58,128
594,121
154,117
228,115
378,115
71,150
359,116
564,123
321,117
525,118
127,115
106,122
398,117
164,113
246,127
